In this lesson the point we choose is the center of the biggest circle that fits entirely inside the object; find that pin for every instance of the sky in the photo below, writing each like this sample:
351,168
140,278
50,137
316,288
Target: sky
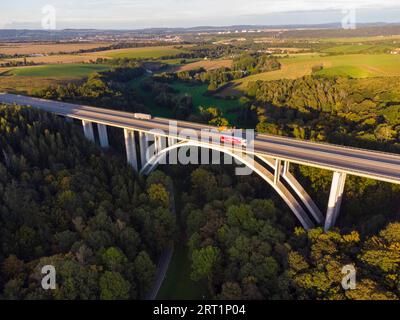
132,14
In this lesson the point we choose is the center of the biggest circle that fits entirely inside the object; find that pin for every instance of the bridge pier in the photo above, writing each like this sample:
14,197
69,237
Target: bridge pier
278,171
144,144
158,144
172,142
173,154
297,188
335,199
130,146
304,196
103,136
286,168
161,144
88,130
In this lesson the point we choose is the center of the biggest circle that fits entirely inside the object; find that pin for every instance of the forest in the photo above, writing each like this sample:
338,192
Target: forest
244,244
353,112
64,202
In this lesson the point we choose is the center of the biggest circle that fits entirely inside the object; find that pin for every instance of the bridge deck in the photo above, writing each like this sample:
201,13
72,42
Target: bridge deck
359,162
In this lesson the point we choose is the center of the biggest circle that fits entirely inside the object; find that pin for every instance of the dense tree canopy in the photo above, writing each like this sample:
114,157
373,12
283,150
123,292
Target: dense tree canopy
65,203
340,110
244,247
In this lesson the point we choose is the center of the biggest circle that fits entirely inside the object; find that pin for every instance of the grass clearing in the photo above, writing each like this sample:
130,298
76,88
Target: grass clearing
200,99
177,284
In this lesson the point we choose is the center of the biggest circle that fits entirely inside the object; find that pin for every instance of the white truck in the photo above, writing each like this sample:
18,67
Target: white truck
142,116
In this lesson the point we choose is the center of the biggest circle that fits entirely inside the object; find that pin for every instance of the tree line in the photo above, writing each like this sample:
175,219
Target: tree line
336,109
243,66
109,89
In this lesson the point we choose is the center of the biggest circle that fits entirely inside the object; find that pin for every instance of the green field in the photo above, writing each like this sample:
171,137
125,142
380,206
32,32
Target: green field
352,65
359,48
177,284
142,53
199,99
58,70
361,39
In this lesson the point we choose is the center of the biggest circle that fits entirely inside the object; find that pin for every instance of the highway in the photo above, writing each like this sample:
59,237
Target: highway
371,164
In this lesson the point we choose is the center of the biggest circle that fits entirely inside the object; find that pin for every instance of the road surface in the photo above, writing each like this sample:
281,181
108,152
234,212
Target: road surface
371,164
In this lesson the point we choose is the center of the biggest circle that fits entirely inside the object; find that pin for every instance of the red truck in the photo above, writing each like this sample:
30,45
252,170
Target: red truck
229,140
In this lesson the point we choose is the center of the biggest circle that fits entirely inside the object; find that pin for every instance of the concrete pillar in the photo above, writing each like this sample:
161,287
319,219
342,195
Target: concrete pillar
286,167
278,171
103,135
335,199
143,147
300,192
158,144
172,142
130,145
88,130
173,154
161,144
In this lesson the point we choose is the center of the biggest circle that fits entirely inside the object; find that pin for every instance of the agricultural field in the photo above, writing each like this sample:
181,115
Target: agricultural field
175,64
206,64
352,65
45,58
140,53
55,59
45,48
26,85
361,39
28,79
360,48
57,70
62,68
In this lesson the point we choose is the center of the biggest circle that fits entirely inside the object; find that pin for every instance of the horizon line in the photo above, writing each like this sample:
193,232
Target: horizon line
334,25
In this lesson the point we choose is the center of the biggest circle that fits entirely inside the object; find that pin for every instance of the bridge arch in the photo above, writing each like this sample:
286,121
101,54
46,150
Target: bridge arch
257,168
